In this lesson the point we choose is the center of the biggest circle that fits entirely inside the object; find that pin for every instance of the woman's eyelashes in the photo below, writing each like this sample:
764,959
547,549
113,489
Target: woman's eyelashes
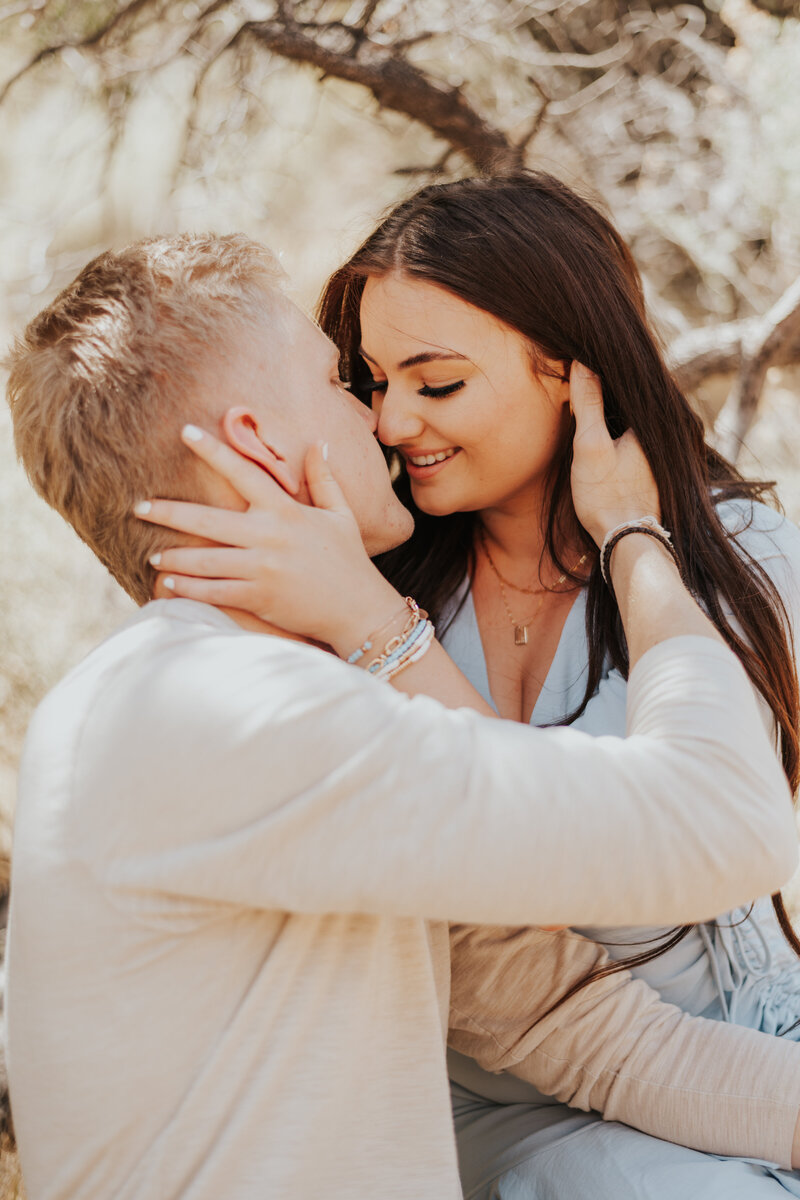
447,390
379,385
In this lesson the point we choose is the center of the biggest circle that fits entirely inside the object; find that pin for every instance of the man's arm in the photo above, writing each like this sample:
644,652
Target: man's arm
257,771
617,1048
415,811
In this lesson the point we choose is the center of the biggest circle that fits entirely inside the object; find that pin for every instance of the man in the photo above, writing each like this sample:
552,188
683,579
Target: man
236,856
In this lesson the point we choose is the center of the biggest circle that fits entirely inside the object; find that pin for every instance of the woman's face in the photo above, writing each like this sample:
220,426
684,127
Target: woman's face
456,394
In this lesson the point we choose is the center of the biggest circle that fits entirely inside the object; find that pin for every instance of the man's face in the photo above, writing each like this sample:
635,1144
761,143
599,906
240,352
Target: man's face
289,380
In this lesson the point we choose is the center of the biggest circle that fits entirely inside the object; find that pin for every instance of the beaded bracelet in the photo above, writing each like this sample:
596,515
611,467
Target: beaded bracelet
650,528
416,648
400,639
411,605
398,646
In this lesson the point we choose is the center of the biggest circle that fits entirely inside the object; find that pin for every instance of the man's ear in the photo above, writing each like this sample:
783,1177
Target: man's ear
243,433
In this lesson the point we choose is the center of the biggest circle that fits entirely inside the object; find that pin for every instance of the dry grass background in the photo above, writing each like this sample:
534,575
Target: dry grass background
11,1187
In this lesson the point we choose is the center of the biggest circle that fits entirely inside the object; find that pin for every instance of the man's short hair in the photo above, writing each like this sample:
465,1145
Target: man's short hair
103,379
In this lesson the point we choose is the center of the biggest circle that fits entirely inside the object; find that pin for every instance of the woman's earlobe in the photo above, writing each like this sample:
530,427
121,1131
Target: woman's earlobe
244,434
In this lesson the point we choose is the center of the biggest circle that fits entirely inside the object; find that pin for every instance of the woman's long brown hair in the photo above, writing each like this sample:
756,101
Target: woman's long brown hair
532,252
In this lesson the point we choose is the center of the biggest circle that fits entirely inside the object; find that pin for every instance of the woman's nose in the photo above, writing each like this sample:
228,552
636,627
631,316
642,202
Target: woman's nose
397,420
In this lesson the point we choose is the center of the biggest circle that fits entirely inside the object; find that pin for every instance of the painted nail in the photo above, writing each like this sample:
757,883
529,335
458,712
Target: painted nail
191,433
155,559
142,508
169,583
325,449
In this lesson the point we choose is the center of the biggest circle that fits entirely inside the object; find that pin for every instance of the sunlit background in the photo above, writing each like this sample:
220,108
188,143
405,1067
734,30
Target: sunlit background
301,122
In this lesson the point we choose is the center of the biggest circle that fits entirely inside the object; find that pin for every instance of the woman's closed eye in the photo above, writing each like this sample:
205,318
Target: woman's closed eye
448,389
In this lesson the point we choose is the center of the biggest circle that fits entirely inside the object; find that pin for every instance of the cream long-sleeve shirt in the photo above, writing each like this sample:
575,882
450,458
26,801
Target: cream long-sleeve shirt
235,860
616,1047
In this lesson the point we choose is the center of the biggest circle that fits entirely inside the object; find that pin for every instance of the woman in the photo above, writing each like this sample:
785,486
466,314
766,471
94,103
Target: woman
459,319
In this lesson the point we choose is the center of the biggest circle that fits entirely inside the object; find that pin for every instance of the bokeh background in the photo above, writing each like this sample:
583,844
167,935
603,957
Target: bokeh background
301,122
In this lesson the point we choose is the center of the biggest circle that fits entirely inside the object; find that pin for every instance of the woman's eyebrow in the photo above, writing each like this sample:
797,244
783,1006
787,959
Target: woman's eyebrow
417,359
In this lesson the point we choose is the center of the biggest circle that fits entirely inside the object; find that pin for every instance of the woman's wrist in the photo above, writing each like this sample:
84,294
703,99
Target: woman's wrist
637,546
647,525
375,607
653,602
610,522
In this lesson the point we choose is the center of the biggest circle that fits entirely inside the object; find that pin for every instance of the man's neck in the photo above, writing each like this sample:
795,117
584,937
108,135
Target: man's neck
254,624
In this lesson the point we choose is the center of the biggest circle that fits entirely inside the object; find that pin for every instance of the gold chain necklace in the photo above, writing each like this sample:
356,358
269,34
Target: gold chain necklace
534,591
521,627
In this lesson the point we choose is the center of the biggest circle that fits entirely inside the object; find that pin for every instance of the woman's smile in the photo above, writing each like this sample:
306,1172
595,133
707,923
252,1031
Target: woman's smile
424,464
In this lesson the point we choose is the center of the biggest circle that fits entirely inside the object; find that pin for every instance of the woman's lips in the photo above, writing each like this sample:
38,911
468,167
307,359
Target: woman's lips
431,469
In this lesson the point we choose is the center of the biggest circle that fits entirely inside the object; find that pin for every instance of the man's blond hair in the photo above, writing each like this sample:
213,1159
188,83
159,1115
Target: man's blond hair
103,379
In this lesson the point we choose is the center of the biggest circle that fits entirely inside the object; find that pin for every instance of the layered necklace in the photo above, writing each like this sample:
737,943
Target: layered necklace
521,627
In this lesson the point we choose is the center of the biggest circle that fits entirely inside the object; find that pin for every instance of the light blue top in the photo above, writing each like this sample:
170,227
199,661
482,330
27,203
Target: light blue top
737,968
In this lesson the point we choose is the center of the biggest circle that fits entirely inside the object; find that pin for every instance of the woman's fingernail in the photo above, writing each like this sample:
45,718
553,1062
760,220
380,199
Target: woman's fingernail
191,433
155,560
142,508
169,583
325,449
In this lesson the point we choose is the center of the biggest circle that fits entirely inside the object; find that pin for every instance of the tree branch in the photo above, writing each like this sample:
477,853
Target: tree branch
366,16
767,339
396,85
92,39
709,350
779,8
537,57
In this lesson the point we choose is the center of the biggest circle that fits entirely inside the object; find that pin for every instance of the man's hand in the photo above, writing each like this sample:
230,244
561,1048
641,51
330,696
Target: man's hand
302,568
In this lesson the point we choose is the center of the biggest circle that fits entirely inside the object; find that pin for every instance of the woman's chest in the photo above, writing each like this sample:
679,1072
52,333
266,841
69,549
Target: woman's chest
518,649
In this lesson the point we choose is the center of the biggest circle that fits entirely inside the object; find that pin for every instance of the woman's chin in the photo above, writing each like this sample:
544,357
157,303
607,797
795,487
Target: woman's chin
434,505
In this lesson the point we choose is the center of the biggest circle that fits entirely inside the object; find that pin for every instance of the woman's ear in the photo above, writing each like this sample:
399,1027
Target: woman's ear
243,433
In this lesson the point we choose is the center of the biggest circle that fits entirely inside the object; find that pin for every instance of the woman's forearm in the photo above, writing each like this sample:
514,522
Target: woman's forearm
437,675
653,602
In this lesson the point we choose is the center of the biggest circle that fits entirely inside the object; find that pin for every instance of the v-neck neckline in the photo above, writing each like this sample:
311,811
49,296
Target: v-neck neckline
538,714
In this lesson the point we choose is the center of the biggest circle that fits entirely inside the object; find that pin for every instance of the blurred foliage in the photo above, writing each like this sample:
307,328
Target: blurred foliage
682,116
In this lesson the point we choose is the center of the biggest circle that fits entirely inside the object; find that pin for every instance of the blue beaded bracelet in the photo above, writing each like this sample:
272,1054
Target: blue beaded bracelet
404,646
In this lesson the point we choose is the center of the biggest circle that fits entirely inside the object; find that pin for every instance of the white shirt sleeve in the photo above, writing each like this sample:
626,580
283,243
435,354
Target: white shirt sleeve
255,771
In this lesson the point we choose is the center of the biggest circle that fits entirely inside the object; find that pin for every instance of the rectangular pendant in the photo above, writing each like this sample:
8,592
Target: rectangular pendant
520,635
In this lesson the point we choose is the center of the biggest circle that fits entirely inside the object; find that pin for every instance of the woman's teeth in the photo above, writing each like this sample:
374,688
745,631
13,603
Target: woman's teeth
427,460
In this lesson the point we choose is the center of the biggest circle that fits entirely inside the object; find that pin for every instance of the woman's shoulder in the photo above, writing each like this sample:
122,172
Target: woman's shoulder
761,531
773,541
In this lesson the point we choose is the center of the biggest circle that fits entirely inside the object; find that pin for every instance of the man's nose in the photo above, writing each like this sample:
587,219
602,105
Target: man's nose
367,414
397,420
